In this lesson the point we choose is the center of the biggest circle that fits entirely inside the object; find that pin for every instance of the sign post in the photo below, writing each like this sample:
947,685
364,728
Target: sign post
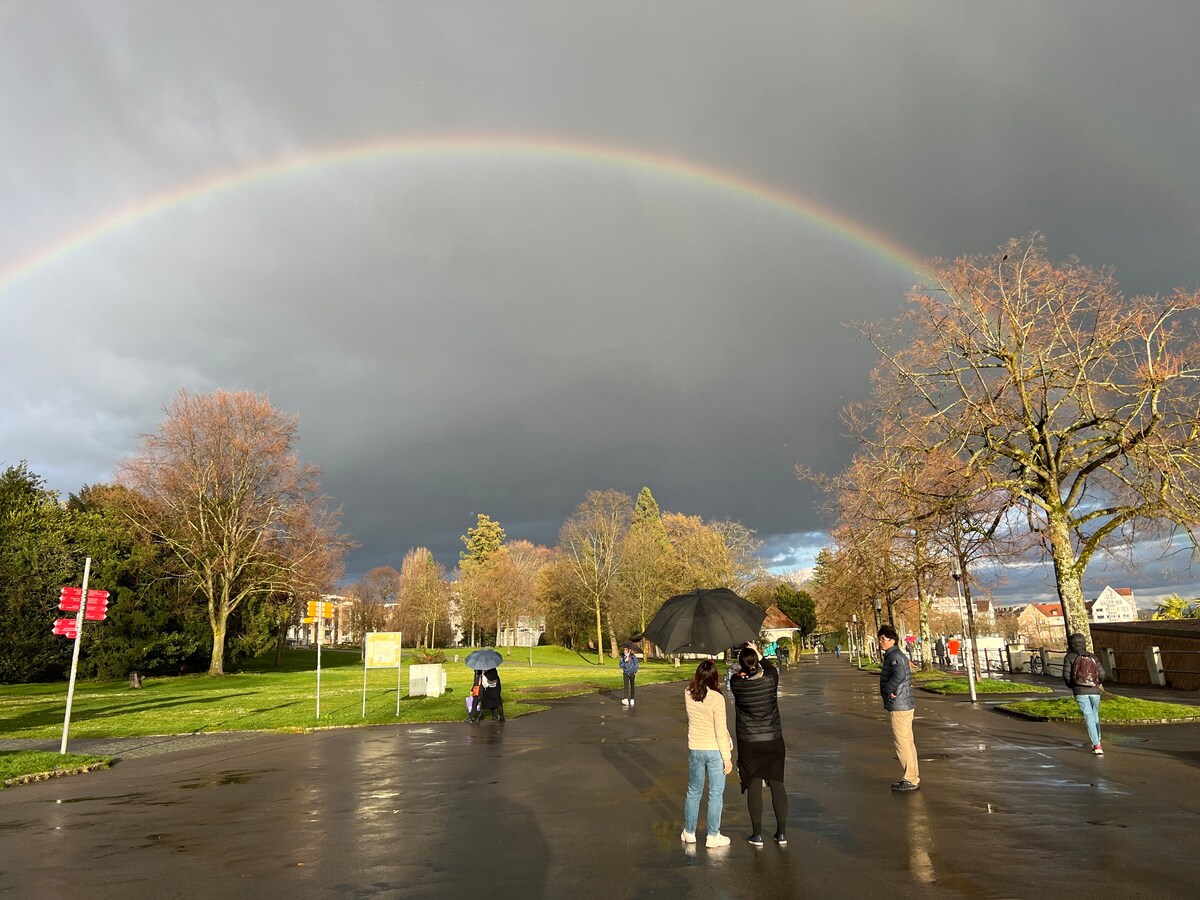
382,650
65,599
320,610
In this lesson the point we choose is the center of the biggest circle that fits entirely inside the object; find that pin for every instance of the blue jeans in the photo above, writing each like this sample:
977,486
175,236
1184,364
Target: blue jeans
699,762
1089,705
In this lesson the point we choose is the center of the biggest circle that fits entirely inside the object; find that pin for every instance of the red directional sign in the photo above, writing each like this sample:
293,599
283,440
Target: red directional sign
65,627
70,598
96,610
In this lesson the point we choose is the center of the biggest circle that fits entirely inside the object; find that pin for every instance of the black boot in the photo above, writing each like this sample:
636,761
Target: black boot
498,714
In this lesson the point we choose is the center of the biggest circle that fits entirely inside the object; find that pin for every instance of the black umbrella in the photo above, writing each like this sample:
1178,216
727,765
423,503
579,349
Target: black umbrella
705,621
482,660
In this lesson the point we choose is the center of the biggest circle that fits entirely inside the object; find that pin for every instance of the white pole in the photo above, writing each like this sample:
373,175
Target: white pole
399,662
87,571
364,712
320,628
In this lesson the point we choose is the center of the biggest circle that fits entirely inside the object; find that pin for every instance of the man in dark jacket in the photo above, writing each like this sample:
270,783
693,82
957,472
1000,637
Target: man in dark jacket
895,687
1083,674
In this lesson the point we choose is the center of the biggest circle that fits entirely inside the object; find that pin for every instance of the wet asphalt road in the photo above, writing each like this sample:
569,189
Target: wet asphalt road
586,800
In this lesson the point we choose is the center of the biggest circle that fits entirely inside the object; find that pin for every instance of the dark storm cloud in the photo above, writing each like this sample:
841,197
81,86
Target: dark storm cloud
500,334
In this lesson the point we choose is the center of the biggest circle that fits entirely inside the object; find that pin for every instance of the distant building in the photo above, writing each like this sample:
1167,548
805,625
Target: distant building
339,629
1042,625
529,629
1113,605
985,615
777,625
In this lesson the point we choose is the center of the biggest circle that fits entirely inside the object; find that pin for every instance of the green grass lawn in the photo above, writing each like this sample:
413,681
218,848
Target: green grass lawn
1114,710
958,684
263,697
18,765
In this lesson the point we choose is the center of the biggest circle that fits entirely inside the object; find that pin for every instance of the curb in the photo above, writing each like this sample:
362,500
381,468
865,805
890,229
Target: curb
55,773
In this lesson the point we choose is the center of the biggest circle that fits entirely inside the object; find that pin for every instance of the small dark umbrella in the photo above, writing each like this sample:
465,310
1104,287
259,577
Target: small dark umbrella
709,620
482,660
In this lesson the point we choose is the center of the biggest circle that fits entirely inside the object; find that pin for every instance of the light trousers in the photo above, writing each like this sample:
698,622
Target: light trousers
1089,705
902,739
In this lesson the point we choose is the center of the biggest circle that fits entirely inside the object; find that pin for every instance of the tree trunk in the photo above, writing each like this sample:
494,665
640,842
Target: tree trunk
599,634
1068,578
923,626
218,619
612,636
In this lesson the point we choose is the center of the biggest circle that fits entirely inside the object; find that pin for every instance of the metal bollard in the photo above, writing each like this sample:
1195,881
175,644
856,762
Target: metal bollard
1158,675
1108,659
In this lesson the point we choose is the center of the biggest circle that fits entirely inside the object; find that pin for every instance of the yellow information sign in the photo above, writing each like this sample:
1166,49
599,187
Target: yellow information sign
383,650
322,609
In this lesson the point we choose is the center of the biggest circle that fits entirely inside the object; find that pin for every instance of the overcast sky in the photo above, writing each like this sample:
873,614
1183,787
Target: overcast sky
553,299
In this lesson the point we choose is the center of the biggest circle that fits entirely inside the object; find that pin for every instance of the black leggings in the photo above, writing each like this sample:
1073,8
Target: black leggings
629,685
779,802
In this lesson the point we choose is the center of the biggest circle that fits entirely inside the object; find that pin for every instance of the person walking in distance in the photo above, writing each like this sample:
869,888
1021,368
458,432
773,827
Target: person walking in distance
1083,674
895,687
710,752
761,751
629,668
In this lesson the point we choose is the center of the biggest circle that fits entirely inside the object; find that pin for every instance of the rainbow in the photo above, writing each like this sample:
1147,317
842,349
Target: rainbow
469,147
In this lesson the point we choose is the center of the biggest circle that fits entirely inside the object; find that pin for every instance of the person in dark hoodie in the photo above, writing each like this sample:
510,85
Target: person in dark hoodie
1083,674
895,687
760,748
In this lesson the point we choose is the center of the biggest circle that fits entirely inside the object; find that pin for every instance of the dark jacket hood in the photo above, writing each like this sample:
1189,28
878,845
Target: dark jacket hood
1077,643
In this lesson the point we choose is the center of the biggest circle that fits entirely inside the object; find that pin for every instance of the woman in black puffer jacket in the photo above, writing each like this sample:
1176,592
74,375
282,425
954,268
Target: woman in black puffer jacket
760,741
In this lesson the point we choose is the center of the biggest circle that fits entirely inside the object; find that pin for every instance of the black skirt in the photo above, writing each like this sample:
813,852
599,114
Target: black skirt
760,759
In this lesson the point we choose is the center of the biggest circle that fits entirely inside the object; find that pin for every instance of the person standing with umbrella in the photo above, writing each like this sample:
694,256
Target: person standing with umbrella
761,750
485,690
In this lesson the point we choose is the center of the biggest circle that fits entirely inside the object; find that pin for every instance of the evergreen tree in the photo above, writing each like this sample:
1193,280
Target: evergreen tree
35,562
483,540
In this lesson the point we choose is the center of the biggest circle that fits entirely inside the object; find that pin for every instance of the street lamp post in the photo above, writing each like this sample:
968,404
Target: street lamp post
957,574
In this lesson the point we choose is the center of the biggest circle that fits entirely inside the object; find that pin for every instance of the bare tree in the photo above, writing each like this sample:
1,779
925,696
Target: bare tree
221,487
1074,399
591,541
376,602
425,593
717,554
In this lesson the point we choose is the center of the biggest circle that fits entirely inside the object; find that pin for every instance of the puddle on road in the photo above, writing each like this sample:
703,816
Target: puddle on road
224,778
119,798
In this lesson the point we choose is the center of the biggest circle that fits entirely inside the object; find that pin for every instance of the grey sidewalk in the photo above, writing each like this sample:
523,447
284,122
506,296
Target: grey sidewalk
586,800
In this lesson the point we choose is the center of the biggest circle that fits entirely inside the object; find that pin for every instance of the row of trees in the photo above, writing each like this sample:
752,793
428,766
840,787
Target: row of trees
617,560
214,535
1018,406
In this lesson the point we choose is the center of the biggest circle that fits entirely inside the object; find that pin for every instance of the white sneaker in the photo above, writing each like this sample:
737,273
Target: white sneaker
688,837
624,701
631,703
716,840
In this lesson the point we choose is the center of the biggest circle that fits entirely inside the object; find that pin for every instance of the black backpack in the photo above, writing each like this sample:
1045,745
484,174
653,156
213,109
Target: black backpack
1085,672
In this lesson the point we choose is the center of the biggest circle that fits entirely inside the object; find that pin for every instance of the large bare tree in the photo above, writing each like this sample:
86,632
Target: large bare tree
221,487
591,541
1078,401
424,594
